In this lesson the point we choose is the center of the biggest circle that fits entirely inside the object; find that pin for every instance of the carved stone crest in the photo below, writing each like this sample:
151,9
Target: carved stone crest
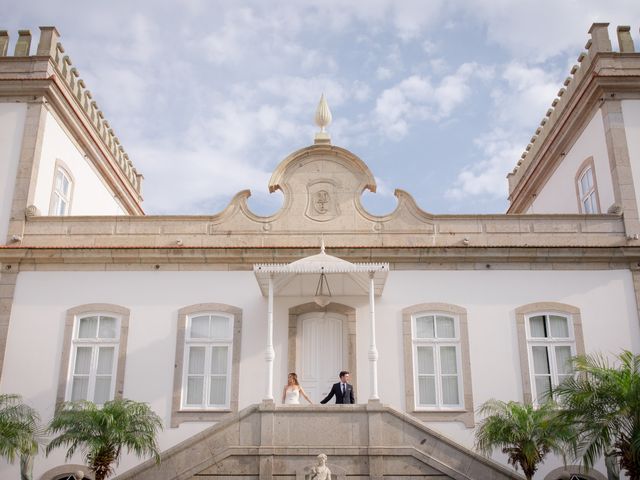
322,202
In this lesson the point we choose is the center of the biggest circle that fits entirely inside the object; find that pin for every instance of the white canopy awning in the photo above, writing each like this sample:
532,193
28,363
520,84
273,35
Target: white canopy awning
300,278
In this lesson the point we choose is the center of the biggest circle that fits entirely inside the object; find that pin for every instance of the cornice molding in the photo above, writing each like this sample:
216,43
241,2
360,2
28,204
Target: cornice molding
609,76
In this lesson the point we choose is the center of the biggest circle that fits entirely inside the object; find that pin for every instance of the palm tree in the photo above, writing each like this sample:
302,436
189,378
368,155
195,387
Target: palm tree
604,403
524,433
18,432
102,432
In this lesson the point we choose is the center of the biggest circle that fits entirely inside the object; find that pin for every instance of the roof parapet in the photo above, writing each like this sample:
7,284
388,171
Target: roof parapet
50,46
624,39
598,43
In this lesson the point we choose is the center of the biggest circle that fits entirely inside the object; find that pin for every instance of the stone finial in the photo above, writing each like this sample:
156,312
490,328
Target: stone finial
625,42
23,46
323,119
599,38
48,43
4,43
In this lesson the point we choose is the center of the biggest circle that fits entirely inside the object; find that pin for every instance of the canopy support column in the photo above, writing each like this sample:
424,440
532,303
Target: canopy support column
373,351
270,353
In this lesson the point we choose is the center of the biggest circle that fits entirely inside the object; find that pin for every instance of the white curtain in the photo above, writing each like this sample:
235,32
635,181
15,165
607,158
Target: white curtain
219,360
448,361
537,326
107,327
200,327
559,326
220,327
218,390
543,385
450,390
425,327
426,375
540,360
105,360
563,362
195,380
449,373
195,389
88,327
83,361
103,389
446,327
81,369
196,360
425,361
427,390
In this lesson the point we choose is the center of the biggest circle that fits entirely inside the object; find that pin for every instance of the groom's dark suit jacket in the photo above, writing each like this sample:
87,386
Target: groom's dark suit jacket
337,391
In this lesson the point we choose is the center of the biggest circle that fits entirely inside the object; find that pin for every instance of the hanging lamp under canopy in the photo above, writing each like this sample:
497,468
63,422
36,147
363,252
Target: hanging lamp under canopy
301,278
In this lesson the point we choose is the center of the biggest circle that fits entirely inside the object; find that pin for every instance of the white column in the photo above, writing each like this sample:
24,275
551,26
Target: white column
373,351
270,353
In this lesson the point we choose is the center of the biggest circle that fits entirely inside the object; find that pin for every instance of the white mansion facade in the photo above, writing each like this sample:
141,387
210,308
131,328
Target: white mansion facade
203,316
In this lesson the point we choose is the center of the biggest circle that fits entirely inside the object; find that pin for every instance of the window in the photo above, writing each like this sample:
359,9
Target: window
551,347
436,358
94,349
60,204
206,377
586,188
437,372
549,335
208,360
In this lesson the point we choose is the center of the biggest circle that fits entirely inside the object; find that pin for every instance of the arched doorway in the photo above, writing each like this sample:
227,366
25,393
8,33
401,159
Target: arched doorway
322,341
574,472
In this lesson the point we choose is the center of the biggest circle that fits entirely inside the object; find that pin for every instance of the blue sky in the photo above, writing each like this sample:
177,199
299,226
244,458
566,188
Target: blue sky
438,98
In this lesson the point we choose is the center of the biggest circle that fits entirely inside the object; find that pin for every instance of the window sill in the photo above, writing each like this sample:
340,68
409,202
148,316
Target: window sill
455,415
198,415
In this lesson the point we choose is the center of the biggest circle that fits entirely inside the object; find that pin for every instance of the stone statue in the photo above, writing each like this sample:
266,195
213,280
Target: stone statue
321,471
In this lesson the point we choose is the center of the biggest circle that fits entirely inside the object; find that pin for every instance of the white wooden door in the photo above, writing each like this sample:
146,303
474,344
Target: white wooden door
321,354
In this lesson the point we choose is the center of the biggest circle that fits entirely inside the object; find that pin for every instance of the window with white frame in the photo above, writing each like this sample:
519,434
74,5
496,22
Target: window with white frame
61,193
437,361
551,344
94,358
587,191
208,354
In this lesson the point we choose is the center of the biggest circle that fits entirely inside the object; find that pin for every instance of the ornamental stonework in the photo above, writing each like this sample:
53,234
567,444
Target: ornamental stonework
322,202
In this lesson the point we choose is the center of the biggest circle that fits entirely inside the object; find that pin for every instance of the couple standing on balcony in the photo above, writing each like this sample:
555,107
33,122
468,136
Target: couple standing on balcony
343,391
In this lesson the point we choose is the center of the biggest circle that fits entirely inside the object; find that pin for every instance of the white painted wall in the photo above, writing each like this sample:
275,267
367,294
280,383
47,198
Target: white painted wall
558,195
12,116
91,196
32,361
631,115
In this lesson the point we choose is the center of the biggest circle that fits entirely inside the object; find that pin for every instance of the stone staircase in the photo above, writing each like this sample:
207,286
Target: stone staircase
372,441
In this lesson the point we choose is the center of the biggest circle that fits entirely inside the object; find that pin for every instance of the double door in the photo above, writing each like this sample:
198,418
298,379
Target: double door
321,352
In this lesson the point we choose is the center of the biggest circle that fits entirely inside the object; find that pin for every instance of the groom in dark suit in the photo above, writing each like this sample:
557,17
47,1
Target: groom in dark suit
342,390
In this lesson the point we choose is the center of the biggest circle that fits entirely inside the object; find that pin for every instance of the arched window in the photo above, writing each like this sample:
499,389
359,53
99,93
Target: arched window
206,378
437,372
61,191
587,187
94,352
549,334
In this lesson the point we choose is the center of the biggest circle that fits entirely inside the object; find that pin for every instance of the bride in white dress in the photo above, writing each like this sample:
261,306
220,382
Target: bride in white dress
293,390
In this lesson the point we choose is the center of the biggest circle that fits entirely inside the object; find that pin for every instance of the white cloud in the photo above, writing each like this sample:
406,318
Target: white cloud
206,178
486,178
525,94
383,73
417,98
540,29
